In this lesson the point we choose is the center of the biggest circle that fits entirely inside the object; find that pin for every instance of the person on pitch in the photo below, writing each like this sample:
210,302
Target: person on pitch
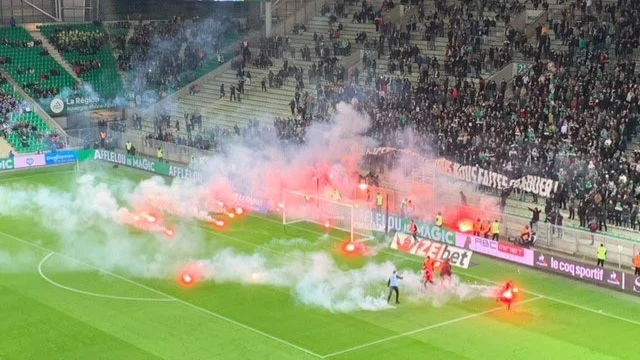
429,268
445,271
507,294
393,283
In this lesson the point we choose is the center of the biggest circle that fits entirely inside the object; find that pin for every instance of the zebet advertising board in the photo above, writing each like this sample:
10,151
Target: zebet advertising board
616,279
436,250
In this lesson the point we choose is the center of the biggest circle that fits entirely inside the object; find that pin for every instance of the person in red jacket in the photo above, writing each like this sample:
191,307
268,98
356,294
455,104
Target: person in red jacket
508,294
445,271
429,270
413,229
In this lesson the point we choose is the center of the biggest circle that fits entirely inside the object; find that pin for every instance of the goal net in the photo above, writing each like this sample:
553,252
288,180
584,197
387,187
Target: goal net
352,218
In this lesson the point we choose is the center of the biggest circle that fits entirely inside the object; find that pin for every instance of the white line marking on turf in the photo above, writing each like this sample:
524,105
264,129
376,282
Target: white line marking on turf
115,297
193,306
441,324
415,259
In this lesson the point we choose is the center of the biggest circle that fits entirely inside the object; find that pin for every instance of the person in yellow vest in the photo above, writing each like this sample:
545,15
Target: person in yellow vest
495,231
128,147
379,202
335,195
602,255
439,220
160,154
636,264
477,227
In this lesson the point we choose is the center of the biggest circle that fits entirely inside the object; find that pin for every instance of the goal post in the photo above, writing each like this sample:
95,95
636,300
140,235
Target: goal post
298,207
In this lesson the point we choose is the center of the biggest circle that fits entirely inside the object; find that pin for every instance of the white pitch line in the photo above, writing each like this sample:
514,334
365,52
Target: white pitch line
115,297
414,259
196,307
441,324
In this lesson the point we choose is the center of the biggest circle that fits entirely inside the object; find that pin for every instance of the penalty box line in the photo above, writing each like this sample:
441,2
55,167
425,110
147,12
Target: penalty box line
441,324
414,259
175,299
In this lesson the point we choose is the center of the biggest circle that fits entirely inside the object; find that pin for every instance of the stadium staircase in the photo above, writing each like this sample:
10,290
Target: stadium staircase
25,59
105,80
55,54
255,104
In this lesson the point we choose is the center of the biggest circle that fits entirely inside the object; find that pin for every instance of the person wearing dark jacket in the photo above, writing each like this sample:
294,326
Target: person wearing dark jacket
535,216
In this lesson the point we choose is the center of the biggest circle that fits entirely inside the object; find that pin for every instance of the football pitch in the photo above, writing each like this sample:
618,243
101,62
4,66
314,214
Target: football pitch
56,302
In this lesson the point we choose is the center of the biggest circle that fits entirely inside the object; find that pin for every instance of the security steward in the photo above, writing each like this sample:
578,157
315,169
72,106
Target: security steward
495,231
602,255
128,146
160,154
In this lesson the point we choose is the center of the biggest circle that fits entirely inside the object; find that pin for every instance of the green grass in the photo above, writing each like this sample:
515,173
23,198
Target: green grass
557,319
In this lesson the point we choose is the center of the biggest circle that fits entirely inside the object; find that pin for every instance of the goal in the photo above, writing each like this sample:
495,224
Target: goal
352,218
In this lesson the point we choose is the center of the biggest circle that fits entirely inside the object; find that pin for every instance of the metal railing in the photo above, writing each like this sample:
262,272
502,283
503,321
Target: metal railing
581,243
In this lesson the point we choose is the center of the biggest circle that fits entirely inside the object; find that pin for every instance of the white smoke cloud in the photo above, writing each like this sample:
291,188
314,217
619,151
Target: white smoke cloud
316,280
91,220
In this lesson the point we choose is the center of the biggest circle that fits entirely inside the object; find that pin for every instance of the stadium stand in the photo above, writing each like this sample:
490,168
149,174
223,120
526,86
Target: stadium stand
30,65
164,56
87,49
23,129
572,117
318,45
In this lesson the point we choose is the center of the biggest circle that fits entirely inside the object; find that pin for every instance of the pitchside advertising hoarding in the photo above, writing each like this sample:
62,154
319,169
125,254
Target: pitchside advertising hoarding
616,279
500,250
365,218
61,157
26,161
6,164
436,250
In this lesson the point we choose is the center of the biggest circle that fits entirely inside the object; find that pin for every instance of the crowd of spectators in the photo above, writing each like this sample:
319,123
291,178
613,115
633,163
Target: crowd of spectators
85,42
570,118
163,55
10,106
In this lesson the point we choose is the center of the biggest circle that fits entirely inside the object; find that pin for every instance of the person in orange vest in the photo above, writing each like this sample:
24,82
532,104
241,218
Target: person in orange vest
477,227
636,263
103,139
525,235
413,229
486,229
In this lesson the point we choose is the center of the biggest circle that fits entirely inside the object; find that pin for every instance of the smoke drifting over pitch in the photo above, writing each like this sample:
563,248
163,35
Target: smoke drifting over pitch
92,222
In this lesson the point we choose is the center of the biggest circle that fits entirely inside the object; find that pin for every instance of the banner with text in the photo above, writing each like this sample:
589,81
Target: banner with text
500,250
401,224
479,176
436,250
61,157
6,164
593,274
136,162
